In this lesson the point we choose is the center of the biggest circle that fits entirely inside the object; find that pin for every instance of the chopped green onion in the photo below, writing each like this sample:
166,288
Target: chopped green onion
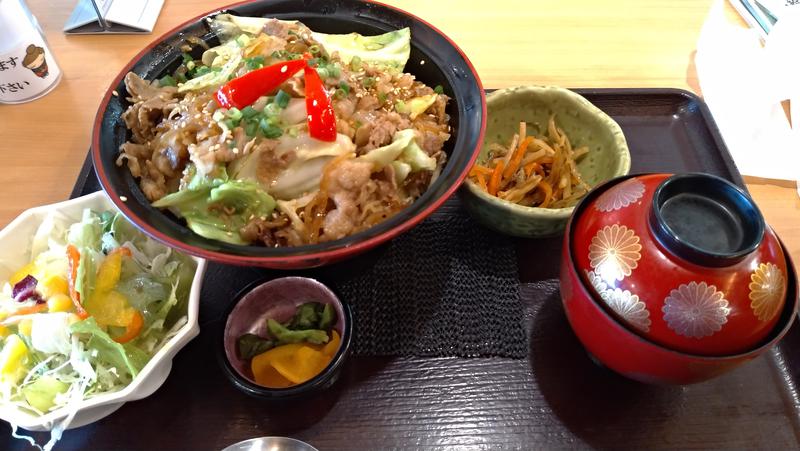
256,62
268,130
202,70
292,132
313,62
190,65
187,58
180,78
438,89
400,106
333,71
381,98
229,124
218,115
282,99
234,114
368,82
251,128
344,87
248,112
167,80
355,63
314,49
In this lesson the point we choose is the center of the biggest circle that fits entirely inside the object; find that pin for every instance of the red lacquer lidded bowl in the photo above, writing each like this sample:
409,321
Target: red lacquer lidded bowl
683,260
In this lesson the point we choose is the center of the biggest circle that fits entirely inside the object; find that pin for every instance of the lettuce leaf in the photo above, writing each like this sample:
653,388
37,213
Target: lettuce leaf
218,208
389,50
126,359
404,149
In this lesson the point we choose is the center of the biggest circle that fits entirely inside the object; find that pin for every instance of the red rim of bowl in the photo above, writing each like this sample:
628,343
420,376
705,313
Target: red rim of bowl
332,254
775,337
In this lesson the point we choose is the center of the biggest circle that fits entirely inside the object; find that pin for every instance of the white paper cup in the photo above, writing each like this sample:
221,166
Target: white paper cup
28,69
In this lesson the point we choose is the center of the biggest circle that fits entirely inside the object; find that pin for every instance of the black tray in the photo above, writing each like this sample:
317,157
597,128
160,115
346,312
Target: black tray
555,398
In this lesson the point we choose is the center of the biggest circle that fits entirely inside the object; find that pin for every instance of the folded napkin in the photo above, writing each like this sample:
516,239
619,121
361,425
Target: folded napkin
744,82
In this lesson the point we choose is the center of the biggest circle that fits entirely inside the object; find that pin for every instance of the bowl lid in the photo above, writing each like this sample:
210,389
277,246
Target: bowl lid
685,260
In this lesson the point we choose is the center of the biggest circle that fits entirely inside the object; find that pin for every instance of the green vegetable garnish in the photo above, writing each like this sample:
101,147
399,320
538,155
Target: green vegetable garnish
286,336
251,345
256,62
282,99
328,317
438,89
306,317
167,80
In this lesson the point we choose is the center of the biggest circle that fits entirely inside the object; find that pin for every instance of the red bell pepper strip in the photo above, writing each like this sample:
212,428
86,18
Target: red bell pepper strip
243,91
321,118
132,329
74,258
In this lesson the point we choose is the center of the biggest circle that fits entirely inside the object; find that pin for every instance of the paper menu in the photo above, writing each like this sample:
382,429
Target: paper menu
743,84
114,16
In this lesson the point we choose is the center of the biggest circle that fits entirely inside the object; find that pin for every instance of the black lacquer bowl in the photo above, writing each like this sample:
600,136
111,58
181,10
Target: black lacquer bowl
435,60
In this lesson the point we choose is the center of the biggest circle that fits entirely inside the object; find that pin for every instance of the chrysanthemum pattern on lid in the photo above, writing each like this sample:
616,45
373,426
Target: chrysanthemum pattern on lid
766,291
620,196
629,307
696,310
614,252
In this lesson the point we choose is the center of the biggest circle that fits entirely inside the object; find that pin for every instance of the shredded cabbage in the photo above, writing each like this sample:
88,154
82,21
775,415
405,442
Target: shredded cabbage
60,360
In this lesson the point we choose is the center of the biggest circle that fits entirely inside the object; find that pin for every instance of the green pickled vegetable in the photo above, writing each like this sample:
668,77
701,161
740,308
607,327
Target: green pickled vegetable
285,335
251,345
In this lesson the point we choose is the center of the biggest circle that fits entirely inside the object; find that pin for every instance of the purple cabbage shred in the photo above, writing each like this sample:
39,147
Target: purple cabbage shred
26,289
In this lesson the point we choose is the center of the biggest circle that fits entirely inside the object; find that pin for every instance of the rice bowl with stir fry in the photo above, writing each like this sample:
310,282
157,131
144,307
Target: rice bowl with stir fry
87,302
282,136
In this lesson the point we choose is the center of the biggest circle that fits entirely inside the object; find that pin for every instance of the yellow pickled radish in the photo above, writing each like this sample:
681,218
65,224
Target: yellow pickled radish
266,375
301,365
22,273
4,331
59,302
332,345
12,358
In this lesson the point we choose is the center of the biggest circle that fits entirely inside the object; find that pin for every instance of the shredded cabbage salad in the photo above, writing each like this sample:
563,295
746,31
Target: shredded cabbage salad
85,315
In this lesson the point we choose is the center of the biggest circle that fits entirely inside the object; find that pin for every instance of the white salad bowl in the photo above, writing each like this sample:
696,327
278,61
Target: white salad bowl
15,242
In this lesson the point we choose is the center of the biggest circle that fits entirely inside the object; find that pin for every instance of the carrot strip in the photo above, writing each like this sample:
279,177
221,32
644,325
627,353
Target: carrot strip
548,193
517,158
132,329
478,169
494,182
74,259
36,308
482,182
533,166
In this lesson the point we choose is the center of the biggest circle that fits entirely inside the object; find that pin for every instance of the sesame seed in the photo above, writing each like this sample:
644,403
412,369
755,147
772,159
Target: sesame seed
314,102
115,93
263,218
229,233
309,117
123,198
198,116
235,150
284,69
421,62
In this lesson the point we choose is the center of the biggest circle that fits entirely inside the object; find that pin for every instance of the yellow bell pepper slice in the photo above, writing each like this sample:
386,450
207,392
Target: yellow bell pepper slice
12,358
22,273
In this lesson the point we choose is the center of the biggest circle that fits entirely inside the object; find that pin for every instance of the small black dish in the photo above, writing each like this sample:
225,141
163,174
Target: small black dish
277,299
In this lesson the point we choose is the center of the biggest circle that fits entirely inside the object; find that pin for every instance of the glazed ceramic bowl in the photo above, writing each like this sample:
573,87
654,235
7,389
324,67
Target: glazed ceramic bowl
434,60
664,300
584,124
278,299
14,253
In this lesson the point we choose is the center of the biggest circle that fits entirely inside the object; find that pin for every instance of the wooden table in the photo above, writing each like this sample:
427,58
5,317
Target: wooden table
583,43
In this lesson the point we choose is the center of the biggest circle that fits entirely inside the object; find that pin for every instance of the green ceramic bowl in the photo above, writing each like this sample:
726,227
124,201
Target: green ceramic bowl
584,124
